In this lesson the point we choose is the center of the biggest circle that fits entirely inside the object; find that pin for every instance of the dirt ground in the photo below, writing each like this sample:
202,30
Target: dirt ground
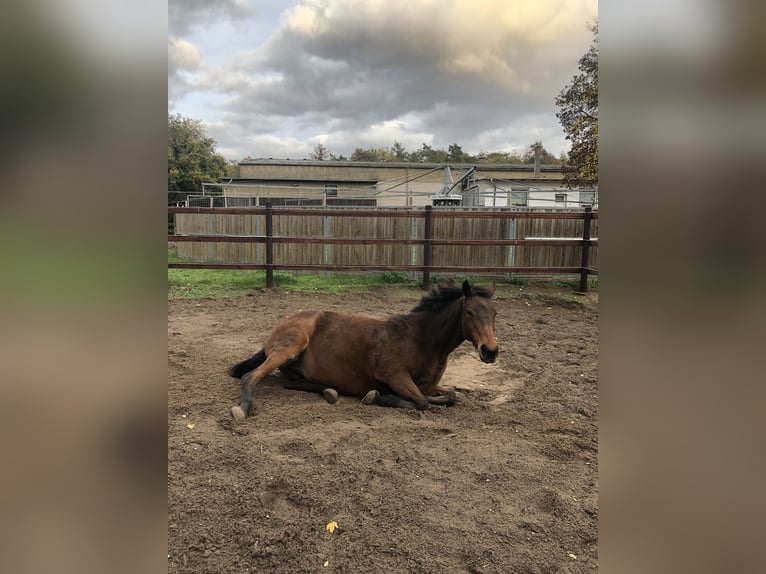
503,482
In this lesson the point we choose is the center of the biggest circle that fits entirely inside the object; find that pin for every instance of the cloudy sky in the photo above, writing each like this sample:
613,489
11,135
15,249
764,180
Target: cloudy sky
272,78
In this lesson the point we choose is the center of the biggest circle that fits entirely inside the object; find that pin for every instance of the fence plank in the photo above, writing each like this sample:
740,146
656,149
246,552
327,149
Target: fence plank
500,241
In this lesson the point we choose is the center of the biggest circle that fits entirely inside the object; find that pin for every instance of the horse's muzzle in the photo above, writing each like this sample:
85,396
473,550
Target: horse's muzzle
488,355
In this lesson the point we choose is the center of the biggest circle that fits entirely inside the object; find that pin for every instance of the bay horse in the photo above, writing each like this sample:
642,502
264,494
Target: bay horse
395,361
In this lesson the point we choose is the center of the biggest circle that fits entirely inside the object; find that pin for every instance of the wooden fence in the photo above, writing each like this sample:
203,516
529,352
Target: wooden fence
467,241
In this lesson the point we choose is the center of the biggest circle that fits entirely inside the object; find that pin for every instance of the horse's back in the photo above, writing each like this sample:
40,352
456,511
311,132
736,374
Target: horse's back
342,351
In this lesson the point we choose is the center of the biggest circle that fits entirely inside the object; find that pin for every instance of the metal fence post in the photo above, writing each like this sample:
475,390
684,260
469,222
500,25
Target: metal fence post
584,262
269,246
511,258
428,231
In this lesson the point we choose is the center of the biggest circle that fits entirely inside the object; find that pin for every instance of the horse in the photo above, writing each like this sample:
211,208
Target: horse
396,361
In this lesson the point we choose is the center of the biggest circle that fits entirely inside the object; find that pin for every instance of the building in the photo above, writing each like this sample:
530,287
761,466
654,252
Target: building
393,184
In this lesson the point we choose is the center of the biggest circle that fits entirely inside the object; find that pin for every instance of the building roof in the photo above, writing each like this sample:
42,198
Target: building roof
394,164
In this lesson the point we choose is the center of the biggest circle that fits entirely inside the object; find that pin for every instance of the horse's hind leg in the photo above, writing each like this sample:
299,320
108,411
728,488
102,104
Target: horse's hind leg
329,394
249,380
239,412
241,371
285,344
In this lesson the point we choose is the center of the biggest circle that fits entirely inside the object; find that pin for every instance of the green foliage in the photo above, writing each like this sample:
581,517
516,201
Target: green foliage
196,283
578,114
217,283
500,157
427,154
454,154
283,278
371,154
574,283
192,160
546,157
320,152
398,152
232,168
393,277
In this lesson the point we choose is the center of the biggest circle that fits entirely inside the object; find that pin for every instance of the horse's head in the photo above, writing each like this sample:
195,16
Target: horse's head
478,320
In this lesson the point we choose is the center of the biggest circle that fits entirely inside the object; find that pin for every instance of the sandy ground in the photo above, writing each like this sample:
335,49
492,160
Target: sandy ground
505,481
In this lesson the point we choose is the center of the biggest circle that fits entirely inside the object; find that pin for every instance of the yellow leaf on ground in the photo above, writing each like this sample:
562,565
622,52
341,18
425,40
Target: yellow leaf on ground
191,425
331,527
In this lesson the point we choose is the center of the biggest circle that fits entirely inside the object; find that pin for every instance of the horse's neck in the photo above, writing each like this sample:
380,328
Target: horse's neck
441,331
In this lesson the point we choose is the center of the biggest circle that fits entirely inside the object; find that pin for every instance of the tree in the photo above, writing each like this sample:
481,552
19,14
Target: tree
501,157
320,152
373,154
370,154
398,152
427,154
455,154
192,160
545,155
578,114
232,168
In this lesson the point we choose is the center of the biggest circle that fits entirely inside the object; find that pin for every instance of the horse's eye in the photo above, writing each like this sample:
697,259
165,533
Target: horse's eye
469,312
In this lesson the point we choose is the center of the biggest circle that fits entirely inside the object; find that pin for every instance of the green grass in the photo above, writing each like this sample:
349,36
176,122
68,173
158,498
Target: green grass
198,283
574,283
217,283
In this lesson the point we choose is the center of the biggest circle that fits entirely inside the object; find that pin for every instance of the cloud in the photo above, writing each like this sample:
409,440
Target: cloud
182,55
434,71
491,42
379,135
186,15
183,60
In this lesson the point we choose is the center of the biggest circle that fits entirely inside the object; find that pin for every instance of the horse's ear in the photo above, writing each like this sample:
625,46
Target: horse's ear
466,288
492,290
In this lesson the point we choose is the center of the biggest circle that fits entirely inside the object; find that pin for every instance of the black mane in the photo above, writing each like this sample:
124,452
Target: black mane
442,295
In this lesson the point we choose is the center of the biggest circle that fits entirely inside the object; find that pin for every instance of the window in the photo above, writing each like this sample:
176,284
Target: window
561,199
347,202
331,190
519,196
290,201
587,197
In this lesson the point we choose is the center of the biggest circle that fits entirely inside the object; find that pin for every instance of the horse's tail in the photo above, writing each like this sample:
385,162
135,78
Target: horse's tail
240,369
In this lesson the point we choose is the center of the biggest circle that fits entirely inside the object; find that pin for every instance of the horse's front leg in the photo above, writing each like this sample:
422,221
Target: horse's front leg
387,400
443,397
406,393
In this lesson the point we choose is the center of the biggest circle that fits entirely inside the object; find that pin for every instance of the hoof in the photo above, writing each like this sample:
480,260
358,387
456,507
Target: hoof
330,395
369,398
238,413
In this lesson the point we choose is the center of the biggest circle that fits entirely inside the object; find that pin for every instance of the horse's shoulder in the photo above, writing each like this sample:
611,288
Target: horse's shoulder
395,324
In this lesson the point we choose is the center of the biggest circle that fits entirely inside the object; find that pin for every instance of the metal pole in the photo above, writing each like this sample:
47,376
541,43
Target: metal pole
587,216
428,232
269,245
511,259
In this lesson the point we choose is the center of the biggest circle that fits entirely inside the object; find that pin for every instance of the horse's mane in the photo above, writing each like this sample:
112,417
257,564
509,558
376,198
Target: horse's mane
442,295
